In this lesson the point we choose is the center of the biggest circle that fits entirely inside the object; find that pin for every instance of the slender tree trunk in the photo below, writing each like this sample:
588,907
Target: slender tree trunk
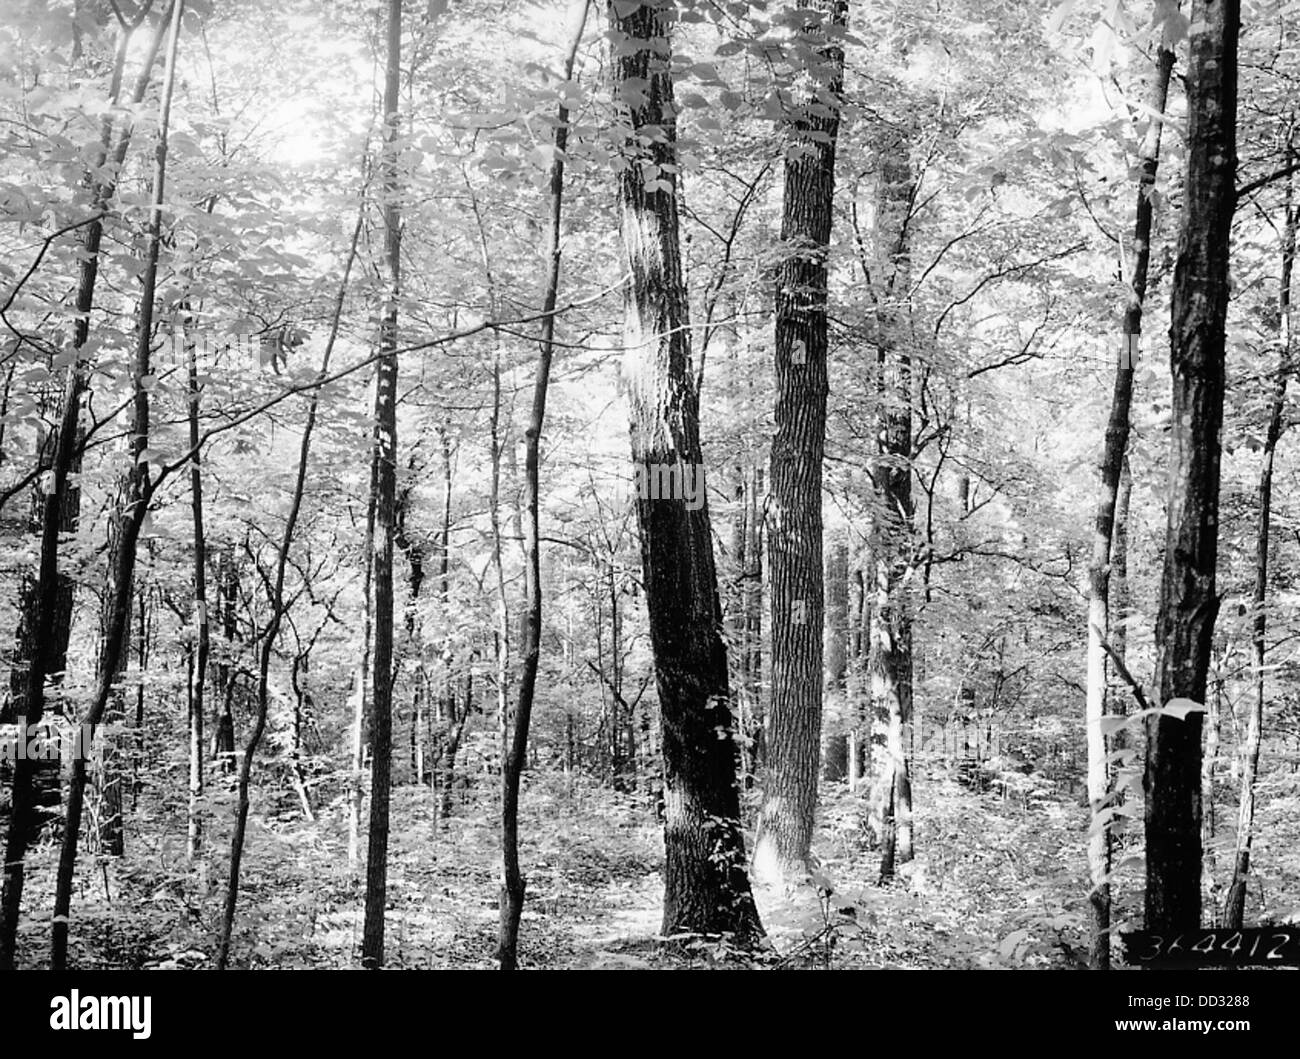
223,742
1117,430
1188,602
794,538
203,637
706,887
360,728
513,882
892,550
278,609
1235,905
372,946
131,513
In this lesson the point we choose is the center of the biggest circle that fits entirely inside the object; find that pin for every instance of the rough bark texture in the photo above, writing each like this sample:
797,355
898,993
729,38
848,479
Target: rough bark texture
1235,904
1188,603
706,885
1099,573
794,532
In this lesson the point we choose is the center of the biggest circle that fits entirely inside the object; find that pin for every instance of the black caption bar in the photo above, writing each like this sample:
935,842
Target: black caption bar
1248,947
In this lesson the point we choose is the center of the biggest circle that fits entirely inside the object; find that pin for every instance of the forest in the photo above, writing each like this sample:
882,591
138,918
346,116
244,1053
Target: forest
648,484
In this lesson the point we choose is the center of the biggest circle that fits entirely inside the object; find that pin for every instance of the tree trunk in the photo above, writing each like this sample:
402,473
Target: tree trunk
706,887
381,756
794,538
513,881
1235,905
203,637
836,759
1104,528
892,552
1188,602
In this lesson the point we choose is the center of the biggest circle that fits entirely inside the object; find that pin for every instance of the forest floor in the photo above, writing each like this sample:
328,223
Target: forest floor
997,882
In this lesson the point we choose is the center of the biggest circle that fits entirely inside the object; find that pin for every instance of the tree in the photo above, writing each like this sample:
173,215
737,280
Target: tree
513,881
44,624
1105,528
136,493
1188,602
372,946
706,887
794,532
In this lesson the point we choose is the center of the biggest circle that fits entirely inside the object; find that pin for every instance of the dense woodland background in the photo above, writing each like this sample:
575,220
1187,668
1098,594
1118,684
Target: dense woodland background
324,324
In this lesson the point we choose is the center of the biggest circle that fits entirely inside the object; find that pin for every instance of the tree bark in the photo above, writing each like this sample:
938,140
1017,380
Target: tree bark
794,537
381,757
706,887
1104,528
1188,602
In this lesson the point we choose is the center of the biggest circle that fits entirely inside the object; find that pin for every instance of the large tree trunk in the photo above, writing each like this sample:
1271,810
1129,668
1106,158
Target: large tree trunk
1235,905
1099,573
794,537
706,887
1188,603
372,945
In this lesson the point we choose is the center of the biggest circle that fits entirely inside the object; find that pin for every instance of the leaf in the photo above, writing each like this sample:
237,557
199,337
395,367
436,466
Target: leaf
1180,708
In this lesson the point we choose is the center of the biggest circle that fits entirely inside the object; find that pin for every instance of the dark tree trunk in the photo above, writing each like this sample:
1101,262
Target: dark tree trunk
513,881
1188,602
794,537
372,945
706,887
1104,528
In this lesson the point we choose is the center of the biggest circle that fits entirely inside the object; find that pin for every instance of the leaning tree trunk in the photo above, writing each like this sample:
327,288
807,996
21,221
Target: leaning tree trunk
794,537
706,887
513,881
372,945
137,492
1188,603
1235,905
1099,573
